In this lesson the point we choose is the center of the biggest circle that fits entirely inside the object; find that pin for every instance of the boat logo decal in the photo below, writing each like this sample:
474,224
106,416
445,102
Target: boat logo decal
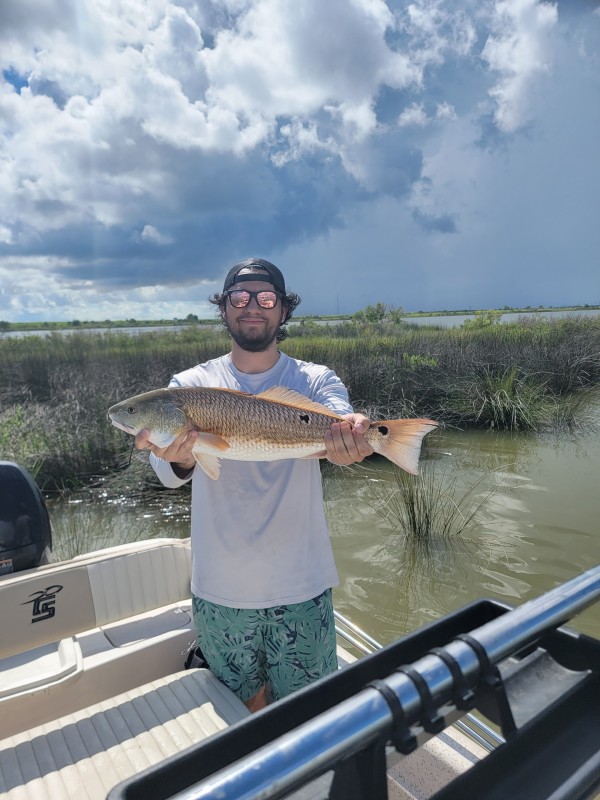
43,603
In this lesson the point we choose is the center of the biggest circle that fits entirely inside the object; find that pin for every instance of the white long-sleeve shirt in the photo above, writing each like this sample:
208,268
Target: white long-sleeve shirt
259,534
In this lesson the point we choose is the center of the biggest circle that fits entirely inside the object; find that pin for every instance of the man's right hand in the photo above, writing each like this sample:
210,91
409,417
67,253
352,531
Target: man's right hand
179,452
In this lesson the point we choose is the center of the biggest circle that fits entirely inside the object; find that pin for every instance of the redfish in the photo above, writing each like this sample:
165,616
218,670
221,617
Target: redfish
279,423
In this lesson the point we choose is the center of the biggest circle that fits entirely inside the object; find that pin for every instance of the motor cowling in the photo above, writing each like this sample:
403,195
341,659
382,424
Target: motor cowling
25,533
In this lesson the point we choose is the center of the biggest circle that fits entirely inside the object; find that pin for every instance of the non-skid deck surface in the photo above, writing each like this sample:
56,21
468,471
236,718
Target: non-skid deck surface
85,754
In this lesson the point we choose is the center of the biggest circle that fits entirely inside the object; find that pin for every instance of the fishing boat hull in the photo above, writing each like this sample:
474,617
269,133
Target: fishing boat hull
93,687
99,696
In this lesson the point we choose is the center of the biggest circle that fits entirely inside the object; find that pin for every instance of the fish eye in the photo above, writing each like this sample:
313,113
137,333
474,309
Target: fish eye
131,410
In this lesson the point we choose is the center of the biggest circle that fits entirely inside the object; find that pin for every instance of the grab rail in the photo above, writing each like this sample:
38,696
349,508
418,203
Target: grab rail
313,748
470,725
339,729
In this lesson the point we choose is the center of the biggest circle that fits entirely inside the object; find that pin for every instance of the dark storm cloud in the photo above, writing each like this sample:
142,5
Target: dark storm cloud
149,146
258,211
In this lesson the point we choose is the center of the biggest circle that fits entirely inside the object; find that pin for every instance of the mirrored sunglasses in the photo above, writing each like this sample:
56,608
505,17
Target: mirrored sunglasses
239,298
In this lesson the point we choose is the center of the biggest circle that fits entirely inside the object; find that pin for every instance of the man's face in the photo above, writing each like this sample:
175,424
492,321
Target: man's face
253,328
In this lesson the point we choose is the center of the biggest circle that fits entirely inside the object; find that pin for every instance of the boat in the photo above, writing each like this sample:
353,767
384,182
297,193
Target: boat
103,694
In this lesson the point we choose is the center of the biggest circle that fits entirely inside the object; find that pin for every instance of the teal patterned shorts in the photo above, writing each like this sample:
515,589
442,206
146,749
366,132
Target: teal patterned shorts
286,647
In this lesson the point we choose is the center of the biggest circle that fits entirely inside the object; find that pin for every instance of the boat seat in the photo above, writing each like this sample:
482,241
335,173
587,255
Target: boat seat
62,600
62,622
43,607
86,753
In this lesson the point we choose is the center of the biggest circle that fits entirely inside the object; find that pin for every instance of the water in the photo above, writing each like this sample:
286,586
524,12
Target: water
134,331
454,321
451,321
538,527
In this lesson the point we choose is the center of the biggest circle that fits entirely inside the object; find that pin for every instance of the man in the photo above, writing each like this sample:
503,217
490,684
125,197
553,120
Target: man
262,562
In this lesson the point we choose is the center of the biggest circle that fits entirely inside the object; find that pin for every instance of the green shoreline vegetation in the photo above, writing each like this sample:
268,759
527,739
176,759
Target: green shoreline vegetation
193,319
536,374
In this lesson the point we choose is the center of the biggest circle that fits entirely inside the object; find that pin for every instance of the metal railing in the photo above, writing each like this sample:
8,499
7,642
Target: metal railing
485,656
477,730
357,723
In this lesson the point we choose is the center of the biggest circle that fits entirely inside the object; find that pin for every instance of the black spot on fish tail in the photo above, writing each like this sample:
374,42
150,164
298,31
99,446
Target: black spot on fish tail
305,418
383,430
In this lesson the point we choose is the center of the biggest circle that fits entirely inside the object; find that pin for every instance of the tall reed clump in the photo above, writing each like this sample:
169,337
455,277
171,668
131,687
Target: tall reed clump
431,506
503,400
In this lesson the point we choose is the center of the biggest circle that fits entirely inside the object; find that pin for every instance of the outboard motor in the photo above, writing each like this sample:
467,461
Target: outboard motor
25,535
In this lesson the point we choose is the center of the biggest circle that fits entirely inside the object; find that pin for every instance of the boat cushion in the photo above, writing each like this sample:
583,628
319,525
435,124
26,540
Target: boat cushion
64,599
44,607
86,753
137,582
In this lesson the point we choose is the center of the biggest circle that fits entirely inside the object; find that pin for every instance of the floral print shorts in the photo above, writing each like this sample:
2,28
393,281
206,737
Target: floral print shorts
284,647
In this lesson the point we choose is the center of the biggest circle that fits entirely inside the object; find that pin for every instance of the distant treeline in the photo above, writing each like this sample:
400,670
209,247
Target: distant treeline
536,374
193,319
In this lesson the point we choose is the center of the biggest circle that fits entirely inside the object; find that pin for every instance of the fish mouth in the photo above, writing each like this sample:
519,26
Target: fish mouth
122,425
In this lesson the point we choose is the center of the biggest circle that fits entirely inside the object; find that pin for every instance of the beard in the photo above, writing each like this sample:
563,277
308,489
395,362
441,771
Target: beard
255,340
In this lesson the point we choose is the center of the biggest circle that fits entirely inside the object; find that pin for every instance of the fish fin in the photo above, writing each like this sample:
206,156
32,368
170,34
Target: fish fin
211,441
289,397
209,461
318,454
161,438
400,440
165,438
209,464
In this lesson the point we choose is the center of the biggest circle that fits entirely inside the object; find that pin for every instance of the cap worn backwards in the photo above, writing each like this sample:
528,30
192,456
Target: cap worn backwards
274,274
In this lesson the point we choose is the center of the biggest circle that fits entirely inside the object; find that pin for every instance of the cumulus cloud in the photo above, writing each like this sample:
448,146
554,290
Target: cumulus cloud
106,90
22,294
413,115
520,50
150,143
151,234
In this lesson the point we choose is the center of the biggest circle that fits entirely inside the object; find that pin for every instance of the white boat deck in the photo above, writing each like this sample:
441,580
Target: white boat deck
86,753
94,692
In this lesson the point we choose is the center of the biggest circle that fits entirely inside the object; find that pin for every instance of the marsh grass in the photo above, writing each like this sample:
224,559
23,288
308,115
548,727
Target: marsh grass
84,527
431,507
58,446
577,410
55,391
504,400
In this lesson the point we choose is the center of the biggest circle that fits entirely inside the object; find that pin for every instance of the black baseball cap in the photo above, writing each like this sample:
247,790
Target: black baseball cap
275,276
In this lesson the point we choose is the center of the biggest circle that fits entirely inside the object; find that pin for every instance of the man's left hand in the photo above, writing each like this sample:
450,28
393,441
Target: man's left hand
345,441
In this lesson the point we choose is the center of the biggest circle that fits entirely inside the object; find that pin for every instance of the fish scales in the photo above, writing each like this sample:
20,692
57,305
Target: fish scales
267,424
276,424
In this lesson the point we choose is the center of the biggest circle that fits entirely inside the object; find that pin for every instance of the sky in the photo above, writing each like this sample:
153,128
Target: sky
428,155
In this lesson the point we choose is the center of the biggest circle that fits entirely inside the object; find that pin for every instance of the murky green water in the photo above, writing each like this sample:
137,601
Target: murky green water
538,526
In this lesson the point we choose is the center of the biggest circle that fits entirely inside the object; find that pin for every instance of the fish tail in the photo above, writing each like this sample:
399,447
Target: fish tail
400,440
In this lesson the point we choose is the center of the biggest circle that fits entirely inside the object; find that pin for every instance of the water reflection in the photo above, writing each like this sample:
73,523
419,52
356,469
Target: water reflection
538,527
129,506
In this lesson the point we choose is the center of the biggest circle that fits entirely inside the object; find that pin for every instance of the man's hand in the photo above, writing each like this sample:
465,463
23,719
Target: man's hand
179,452
345,441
